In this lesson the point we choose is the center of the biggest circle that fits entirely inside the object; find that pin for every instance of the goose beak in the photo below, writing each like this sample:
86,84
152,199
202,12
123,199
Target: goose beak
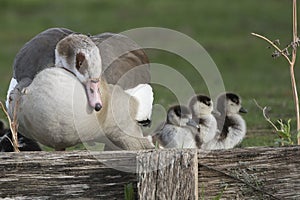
243,110
192,123
93,94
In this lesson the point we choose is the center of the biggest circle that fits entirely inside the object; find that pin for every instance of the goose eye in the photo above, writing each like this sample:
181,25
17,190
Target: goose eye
79,60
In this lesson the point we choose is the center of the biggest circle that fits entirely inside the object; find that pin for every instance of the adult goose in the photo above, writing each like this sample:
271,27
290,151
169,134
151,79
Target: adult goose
63,95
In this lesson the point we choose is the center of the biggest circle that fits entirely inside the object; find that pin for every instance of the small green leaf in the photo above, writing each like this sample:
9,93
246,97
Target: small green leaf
129,192
202,192
219,196
286,142
282,134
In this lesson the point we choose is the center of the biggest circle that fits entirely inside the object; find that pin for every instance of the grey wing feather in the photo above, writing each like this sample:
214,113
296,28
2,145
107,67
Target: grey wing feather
123,61
38,53
166,135
220,121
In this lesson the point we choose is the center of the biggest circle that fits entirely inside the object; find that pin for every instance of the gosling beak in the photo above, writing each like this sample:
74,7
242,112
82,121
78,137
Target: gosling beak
93,94
243,110
192,123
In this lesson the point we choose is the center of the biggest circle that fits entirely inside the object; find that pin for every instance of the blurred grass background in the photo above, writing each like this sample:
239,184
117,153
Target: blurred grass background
222,27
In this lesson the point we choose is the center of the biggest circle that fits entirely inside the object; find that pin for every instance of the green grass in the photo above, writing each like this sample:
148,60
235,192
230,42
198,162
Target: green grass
222,27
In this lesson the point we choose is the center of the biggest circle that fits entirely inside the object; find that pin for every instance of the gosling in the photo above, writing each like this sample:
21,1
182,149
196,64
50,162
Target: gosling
231,125
202,108
178,131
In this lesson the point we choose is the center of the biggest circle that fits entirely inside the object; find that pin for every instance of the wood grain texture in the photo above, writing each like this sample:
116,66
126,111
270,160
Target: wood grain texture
65,175
250,173
168,174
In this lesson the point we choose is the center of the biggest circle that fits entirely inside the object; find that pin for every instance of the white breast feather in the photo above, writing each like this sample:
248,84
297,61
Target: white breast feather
13,83
208,131
234,137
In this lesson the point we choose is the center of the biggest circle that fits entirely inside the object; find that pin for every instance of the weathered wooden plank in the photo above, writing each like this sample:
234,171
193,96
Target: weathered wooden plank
66,175
167,174
250,173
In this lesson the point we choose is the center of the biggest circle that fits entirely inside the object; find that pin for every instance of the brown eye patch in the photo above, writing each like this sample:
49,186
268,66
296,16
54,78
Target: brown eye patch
79,60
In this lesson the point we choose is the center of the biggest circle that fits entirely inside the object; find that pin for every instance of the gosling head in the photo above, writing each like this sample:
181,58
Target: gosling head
200,105
180,116
230,104
79,55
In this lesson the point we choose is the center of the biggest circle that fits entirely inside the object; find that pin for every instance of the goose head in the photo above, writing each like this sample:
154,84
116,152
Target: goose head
180,116
79,55
201,105
230,104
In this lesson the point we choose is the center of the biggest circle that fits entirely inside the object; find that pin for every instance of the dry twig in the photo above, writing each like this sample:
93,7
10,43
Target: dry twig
267,118
13,125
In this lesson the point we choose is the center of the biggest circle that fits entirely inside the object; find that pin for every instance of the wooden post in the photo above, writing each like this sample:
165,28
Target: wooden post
168,174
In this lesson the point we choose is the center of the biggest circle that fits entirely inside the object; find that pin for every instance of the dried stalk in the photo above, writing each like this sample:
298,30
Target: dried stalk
292,73
267,118
291,61
13,125
274,45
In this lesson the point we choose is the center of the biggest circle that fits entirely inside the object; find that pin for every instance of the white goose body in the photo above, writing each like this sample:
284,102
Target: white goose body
70,103
72,120
52,123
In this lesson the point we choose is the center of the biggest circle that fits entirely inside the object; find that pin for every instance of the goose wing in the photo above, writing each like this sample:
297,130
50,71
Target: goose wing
123,61
38,53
